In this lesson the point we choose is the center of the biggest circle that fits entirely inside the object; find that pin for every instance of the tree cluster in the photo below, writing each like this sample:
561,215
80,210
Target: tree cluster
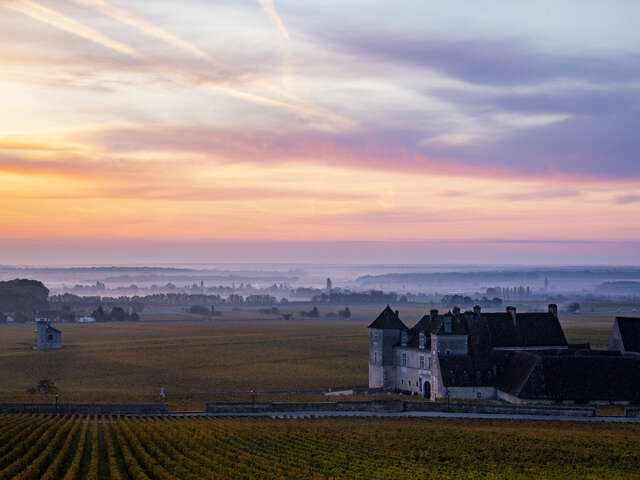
117,314
21,295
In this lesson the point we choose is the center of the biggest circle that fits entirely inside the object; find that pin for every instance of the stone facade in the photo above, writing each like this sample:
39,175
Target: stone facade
448,356
509,356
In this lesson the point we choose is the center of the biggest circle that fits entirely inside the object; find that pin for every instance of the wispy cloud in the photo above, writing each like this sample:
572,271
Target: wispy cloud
279,99
626,199
498,61
58,20
144,26
270,8
543,194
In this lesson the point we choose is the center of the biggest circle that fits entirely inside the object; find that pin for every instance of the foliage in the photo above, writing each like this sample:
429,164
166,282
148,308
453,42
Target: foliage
21,295
117,314
20,317
313,313
321,448
45,386
573,307
199,310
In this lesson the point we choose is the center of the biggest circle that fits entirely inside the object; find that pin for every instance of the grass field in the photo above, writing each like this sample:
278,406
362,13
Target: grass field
195,359
69,448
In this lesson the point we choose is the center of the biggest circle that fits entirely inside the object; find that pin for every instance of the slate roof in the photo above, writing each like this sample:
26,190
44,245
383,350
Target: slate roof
414,340
435,325
466,371
494,329
630,332
428,324
388,320
500,329
514,369
49,328
529,329
571,375
540,329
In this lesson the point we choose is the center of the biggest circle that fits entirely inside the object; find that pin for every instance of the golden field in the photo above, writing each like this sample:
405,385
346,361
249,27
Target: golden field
196,359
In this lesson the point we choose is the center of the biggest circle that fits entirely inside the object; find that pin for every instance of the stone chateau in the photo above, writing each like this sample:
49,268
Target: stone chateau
510,356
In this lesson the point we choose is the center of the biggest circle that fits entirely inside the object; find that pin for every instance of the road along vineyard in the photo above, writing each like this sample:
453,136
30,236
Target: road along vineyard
171,448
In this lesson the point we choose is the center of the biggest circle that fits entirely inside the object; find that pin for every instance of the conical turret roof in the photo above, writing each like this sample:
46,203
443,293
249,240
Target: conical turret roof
388,320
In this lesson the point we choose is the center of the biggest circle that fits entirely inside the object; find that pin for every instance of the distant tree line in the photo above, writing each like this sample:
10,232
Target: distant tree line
23,296
369,297
117,314
463,300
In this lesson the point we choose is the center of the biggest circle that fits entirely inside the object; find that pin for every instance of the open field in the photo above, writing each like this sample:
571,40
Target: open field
195,358
258,448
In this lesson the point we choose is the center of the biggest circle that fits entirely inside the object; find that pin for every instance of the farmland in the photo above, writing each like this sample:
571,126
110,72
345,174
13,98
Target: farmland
68,448
195,358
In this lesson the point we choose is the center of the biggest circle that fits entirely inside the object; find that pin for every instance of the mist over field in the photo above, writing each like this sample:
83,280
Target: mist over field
430,279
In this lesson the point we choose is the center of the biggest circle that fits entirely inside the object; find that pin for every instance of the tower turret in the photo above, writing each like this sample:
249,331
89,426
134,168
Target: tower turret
384,333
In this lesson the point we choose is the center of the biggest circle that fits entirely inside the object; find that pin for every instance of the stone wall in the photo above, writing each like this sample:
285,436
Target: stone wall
411,378
469,393
267,407
394,406
456,407
87,408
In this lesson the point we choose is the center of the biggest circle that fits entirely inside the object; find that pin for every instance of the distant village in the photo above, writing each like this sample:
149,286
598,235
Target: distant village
29,300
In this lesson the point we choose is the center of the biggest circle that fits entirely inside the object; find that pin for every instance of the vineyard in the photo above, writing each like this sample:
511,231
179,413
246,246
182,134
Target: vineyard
74,447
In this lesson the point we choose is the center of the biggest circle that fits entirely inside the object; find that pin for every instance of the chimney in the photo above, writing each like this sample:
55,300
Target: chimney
476,310
433,313
512,311
553,309
397,314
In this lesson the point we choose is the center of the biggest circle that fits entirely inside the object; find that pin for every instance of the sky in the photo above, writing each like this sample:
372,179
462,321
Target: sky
162,131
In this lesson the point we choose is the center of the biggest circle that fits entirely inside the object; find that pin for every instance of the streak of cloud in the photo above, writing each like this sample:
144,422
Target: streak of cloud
627,199
149,28
58,20
316,115
143,26
270,8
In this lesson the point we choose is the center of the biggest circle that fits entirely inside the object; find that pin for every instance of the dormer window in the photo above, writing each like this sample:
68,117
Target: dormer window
404,338
422,340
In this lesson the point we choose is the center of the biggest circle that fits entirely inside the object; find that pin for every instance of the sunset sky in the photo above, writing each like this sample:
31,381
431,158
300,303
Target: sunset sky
280,130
